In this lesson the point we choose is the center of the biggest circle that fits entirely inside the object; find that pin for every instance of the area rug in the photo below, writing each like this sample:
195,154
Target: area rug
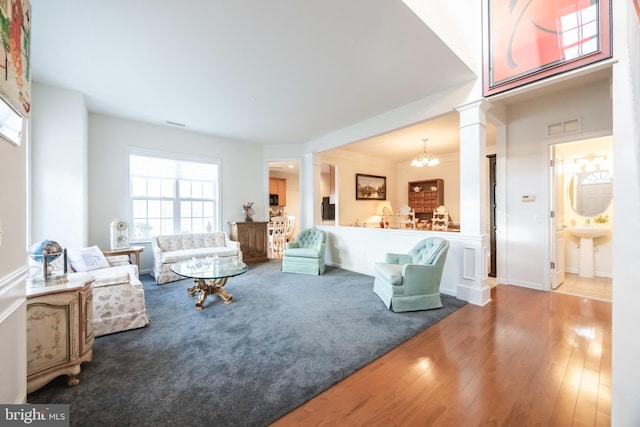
284,339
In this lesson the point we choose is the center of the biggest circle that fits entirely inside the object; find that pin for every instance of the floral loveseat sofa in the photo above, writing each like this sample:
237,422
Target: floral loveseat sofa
171,248
118,295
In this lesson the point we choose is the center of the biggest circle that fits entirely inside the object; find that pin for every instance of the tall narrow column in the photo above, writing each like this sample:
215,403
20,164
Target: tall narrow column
473,286
310,191
473,170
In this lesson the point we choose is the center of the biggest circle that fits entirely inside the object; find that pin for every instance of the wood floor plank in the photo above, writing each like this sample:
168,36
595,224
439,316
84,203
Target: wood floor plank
603,414
529,358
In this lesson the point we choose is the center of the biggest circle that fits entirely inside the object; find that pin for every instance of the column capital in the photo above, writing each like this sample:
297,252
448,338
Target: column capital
481,104
474,112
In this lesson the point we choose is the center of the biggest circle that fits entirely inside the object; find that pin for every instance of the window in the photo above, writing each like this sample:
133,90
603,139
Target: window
10,123
580,32
172,196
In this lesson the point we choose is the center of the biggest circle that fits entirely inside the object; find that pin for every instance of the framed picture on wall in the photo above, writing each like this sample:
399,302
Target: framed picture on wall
527,41
15,78
371,187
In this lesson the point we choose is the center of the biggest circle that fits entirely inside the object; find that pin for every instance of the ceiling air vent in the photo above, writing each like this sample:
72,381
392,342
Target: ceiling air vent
565,127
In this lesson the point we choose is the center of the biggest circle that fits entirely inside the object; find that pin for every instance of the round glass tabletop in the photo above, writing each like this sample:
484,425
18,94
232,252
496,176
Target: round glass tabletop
210,268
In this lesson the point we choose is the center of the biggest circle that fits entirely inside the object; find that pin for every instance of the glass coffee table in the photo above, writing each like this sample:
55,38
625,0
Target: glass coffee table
210,275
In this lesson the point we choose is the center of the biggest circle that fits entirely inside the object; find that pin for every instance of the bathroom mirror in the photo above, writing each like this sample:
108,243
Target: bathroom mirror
591,192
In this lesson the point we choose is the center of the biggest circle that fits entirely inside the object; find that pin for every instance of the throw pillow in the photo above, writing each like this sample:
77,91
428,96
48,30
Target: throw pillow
86,259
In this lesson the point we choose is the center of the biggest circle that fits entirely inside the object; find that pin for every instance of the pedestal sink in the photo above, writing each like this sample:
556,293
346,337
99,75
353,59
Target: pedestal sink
586,267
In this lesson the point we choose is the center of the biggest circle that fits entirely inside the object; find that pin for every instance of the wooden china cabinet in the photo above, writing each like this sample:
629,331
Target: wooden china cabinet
425,197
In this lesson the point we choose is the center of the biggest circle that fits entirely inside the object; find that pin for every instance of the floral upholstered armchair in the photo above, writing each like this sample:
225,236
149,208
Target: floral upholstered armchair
305,255
118,294
411,282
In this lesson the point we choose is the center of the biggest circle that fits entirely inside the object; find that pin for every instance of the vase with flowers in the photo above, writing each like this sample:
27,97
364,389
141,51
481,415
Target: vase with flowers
248,212
601,219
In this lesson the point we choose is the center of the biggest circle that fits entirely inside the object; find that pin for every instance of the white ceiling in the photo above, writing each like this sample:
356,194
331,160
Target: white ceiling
282,71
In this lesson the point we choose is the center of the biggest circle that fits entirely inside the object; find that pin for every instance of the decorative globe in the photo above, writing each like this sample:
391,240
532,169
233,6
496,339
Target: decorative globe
53,249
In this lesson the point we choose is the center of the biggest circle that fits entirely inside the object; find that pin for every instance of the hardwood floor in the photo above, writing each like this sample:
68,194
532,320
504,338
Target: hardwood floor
529,358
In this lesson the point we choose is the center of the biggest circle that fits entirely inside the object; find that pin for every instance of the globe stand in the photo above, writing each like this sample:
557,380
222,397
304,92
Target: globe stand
49,271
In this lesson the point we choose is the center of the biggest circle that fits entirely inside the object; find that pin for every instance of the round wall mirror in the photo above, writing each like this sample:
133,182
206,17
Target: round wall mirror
591,192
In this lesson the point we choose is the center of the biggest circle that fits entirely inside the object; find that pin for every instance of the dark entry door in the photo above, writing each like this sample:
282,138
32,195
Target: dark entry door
492,213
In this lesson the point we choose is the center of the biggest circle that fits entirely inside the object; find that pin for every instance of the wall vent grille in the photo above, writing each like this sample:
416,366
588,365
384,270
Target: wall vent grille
564,127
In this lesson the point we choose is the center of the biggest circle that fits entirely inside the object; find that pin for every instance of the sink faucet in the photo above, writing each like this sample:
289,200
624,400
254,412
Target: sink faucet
587,222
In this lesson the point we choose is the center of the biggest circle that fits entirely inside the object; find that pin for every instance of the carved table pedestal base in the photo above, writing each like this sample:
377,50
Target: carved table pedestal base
214,287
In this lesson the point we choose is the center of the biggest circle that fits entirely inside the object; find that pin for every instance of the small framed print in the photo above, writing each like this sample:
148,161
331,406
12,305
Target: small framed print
371,187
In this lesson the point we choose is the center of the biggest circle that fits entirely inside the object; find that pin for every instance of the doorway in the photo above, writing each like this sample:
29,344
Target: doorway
588,264
492,215
328,193
284,199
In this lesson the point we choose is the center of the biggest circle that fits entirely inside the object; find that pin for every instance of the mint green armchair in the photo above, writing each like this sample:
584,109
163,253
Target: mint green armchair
305,255
411,282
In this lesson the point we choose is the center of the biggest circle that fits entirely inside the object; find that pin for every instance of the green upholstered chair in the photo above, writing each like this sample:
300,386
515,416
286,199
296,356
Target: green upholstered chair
411,282
305,255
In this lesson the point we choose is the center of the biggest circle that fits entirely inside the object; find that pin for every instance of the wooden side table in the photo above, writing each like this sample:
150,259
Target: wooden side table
133,250
59,328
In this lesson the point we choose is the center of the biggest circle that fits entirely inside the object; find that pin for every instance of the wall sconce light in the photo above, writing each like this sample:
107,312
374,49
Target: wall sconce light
589,162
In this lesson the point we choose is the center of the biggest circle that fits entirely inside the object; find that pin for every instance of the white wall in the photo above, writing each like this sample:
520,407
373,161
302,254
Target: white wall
13,207
110,139
625,391
13,269
325,184
527,173
59,166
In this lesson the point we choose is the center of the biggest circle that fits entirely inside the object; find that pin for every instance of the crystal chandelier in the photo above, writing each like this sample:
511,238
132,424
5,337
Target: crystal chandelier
425,159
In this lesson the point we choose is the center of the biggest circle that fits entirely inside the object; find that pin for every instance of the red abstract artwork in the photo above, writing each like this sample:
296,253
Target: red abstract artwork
528,40
15,73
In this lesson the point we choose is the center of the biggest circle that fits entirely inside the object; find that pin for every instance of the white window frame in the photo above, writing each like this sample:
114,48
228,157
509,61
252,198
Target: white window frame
216,223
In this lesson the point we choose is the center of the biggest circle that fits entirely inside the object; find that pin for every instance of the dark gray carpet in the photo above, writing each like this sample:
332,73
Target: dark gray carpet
285,339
